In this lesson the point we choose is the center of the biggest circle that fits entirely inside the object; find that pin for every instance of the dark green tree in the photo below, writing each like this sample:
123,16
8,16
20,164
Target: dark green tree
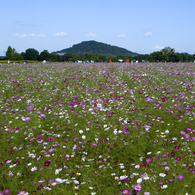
16,56
69,57
178,57
9,52
23,54
31,54
156,56
168,50
44,55
102,58
53,57
185,57
59,58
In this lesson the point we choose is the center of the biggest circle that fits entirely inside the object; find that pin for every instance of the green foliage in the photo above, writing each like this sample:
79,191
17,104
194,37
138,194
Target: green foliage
9,52
44,55
31,54
53,57
16,56
168,50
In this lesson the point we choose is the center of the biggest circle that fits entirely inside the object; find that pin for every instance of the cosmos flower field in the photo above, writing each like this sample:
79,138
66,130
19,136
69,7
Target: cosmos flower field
101,128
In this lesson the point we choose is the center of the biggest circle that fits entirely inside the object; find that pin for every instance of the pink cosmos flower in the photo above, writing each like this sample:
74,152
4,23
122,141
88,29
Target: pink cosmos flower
125,192
148,160
27,119
182,132
138,187
7,192
180,177
187,136
189,129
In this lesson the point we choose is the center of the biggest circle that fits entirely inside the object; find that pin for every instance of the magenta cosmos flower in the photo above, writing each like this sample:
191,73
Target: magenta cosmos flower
182,132
177,147
138,187
180,177
189,129
7,192
187,136
126,192
178,158
27,119
148,160
43,115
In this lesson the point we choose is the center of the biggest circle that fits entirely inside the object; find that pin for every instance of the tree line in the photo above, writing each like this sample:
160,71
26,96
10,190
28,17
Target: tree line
167,54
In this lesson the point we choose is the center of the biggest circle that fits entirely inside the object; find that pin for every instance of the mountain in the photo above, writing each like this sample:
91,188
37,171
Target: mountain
97,48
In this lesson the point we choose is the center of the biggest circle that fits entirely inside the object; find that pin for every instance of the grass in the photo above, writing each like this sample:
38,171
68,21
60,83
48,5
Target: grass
100,128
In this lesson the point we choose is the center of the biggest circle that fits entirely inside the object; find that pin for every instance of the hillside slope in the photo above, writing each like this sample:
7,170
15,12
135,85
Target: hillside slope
96,48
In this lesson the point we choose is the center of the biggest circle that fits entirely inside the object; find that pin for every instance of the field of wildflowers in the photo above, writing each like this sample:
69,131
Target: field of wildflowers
116,128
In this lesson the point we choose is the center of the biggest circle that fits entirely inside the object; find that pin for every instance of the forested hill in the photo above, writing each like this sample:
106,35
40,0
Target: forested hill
97,48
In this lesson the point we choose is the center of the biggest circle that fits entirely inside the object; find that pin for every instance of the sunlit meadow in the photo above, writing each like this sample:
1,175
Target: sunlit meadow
101,128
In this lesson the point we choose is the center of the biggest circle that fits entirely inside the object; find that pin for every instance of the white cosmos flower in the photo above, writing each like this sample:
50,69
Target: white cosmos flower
146,178
80,131
162,174
164,186
123,177
99,105
12,165
61,180
83,137
139,180
57,171
34,169
167,131
76,182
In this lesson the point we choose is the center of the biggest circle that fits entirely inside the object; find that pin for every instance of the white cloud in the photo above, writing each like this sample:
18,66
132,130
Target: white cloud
147,34
91,35
158,47
28,35
60,34
122,35
41,35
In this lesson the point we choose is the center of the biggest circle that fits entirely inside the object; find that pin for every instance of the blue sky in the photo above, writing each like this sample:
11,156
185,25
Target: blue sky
141,26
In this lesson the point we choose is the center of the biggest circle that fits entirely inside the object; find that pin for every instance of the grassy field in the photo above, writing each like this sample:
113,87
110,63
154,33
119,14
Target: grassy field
116,128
